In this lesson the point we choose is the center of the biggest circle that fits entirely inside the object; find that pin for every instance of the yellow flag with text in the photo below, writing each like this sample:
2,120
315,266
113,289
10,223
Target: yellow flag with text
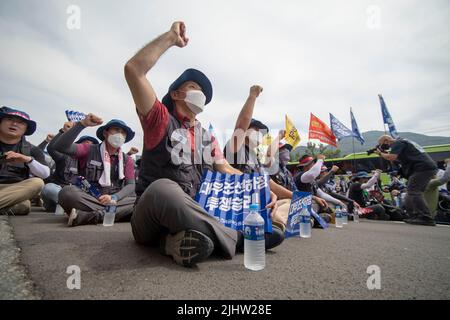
292,137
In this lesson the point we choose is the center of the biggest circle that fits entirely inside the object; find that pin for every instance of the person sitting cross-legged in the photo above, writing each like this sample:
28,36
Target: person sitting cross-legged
105,166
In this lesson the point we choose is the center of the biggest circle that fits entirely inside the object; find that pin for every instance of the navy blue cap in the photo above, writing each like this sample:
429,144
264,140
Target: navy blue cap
189,75
119,124
362,175
87,138
258,125
10,112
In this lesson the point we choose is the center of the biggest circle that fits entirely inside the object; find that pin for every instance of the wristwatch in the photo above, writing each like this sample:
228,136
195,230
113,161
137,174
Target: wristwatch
32,159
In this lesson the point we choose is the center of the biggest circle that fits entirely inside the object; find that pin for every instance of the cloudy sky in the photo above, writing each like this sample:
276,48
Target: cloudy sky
310,56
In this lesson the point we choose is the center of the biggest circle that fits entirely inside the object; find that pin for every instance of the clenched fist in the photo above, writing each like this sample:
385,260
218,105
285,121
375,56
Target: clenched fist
320,157
179,29
49,137
133,151
67,126
91,120
16,158
255,91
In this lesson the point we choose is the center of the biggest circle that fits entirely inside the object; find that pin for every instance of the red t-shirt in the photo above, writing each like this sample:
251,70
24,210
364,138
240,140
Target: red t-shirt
155,125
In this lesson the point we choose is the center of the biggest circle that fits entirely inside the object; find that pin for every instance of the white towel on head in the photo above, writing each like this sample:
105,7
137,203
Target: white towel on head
105,179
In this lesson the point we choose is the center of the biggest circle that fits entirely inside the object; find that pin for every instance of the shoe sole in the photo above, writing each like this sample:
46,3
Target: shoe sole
188,248
419,223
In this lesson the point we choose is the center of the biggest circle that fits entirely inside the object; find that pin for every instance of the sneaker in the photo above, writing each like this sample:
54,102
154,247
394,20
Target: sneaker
187,248
275,238
20,209
421,221
72,217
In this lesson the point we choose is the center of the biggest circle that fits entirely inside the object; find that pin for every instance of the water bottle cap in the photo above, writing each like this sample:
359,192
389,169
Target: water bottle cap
254,207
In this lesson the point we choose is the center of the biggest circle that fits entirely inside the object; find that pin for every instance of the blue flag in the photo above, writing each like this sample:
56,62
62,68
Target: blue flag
387,119
228,197
356,133
300,198
339,129
211,129
74,116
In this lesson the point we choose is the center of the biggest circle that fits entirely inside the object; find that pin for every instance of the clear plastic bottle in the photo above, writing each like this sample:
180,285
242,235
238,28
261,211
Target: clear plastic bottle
344,216
305,223
339,218
110,215
355,215
254,240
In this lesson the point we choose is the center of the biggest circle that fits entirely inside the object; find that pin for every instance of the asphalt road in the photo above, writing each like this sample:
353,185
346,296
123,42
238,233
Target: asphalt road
414,262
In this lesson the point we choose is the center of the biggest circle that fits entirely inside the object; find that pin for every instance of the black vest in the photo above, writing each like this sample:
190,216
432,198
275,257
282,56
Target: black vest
305,187
157,163
243,163
65,172
94,170
284,178
13,173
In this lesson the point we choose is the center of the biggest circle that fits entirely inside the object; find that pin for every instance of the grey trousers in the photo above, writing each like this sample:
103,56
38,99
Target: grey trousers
415,203
90,209
164,208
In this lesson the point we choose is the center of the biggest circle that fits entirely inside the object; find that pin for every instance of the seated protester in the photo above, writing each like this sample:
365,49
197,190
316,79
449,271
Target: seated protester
284,177
241,152
395,188
19,160
325,179
432,191
362,182
332,196
444,193
105,166
309,170
166,213
396,183
66,169
48,159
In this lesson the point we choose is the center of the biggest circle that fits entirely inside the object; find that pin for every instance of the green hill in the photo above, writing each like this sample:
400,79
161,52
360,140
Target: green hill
371,138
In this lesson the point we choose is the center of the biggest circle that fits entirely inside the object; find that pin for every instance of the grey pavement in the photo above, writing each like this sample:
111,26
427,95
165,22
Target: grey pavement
414,262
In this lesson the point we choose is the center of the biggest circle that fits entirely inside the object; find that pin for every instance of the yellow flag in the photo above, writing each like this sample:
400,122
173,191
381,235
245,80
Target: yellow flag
292,137
267,139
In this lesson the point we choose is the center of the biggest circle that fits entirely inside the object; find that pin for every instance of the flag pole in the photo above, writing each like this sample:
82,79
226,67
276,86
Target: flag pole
354,155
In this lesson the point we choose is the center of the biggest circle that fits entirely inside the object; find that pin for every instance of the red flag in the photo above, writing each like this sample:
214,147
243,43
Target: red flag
320,131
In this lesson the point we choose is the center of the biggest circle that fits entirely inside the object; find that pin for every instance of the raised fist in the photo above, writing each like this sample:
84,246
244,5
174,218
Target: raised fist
91,120
179,29
255,91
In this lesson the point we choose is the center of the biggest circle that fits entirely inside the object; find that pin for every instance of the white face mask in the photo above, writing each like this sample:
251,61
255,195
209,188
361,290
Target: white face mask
116,140
195,100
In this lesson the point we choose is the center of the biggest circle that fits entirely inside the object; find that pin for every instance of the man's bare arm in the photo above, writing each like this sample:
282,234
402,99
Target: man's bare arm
137,67
280,191
244,119
224,167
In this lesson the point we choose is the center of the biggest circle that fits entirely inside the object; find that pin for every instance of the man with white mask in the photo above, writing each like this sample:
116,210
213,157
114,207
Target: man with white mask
105,166
177,150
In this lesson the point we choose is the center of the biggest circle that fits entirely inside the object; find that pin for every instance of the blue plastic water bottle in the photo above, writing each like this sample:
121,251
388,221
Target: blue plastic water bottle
254,240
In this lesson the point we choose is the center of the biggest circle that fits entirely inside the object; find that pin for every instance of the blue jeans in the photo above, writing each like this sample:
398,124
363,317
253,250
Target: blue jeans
50,196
